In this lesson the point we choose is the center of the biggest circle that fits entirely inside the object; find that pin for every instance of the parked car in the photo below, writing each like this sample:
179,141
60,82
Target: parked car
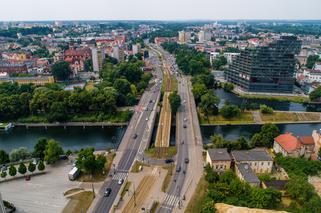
135,136
184,126
107,192
186,160
169,160
178,169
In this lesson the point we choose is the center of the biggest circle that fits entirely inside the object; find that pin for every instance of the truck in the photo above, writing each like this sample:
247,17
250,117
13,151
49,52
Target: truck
73,174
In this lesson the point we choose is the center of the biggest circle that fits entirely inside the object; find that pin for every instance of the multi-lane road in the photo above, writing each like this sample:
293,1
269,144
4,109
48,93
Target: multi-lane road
131,143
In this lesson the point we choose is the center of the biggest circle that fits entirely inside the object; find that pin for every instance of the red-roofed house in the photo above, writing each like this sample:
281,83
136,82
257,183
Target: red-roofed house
289,145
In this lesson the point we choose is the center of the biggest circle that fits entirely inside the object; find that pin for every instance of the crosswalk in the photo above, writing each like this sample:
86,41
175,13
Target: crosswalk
170,201
120,175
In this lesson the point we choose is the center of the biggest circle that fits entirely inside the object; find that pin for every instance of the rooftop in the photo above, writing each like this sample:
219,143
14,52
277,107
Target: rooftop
276,184
219,154
247,173
251,155
288,142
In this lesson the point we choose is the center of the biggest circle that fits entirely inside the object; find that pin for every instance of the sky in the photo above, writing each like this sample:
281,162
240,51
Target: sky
35,10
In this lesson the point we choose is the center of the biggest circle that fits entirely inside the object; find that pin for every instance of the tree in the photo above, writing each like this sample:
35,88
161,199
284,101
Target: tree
175,102
266,109
41,166
228,87
31,167
299,189
57,112
39,149
53,151
315,95
230,111
265,138
209,103
61,71
4,157
19,154
199,90
89,163
311,61
319,152
22,169
12,170
3,174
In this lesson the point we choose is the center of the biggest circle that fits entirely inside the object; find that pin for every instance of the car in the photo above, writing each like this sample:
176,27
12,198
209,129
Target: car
135,136
186,160
178,169
107,192
185,119
184,126
120,181
184,172
169,160
146,119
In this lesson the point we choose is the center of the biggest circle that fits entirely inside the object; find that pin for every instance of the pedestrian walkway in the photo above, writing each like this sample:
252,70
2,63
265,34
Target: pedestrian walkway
120,175
170,201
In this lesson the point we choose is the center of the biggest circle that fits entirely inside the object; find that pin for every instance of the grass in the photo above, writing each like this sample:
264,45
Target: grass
125,189
89,86
245,118
296,99
161,152
154,207
290,117
79,203
71,191
197,199
99,177
137,164
168,177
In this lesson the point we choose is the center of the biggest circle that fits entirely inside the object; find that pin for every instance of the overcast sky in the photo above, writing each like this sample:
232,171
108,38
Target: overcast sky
17,10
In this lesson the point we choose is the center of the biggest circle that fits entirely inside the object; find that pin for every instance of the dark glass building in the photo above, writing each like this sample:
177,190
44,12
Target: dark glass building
269,69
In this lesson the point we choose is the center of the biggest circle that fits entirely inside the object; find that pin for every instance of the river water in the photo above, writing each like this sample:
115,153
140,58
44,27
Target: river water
75,138
276,105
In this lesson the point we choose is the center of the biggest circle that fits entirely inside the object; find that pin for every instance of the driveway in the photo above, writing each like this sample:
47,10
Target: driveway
43,193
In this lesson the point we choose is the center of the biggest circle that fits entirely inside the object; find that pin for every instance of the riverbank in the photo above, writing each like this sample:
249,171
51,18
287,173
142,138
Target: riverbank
72,124
256,117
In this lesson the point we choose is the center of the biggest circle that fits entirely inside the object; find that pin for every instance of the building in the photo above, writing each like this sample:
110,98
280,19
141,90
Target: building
184,37
12,67
268,69
38,80
219,159
258,159
279,185
204,36
118,53
317,140
136,48
289,145
98,58
230,57
245,173
77,58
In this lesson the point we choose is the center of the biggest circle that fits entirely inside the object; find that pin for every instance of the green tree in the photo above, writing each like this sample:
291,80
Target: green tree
265,138
175,102
311,61
209,103
31,167
19,154
41,166
12,171
315,95
299,189
228,87
53,151
22,169
319,152
266,109
230,111
89,163
39,149
199,90
3,174
57,112
4,157
61,71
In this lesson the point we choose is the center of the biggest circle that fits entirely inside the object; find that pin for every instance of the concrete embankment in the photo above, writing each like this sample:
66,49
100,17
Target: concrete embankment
71,124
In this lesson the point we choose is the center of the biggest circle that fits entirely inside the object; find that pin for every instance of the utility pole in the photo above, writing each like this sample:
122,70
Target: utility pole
92,185
134,195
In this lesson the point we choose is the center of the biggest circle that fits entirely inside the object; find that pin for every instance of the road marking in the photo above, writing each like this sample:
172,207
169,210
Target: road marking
119,176
170,201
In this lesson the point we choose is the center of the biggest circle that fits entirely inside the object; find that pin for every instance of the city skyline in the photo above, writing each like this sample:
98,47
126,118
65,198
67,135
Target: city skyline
36,10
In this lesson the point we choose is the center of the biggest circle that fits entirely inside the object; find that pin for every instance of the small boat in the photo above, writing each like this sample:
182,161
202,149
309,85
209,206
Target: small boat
6,126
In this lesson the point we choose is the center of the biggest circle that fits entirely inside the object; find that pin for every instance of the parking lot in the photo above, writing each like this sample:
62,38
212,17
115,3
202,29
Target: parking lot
43,193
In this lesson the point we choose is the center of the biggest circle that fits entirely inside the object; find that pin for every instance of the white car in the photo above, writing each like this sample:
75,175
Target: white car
120,181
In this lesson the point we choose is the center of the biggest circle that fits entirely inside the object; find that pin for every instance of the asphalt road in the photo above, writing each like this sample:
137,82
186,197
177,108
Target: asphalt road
138,125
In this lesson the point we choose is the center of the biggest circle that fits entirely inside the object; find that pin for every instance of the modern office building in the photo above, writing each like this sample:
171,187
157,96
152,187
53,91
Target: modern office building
269,69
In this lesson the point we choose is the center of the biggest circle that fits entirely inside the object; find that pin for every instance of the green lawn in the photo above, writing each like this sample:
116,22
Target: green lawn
296,99
196,202
161,152
290,117
244,118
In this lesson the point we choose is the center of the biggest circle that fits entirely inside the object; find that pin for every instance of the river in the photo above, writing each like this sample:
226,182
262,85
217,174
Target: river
75,138
276,105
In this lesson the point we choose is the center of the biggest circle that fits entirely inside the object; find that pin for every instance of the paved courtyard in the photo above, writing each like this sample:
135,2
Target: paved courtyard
43,193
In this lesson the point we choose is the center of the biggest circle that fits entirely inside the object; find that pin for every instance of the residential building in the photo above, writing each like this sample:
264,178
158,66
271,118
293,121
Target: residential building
136,48
279,185
245,173
98,58
118,53
204,36
289,145
268,68
258,159
77,58
12,67
37,80
219,159
230,57
213,56
184,37
317,140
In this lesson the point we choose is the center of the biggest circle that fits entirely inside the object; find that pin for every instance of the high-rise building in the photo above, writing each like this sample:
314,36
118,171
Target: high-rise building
184,37
118,53
270,68
136,48
204,36
98,57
